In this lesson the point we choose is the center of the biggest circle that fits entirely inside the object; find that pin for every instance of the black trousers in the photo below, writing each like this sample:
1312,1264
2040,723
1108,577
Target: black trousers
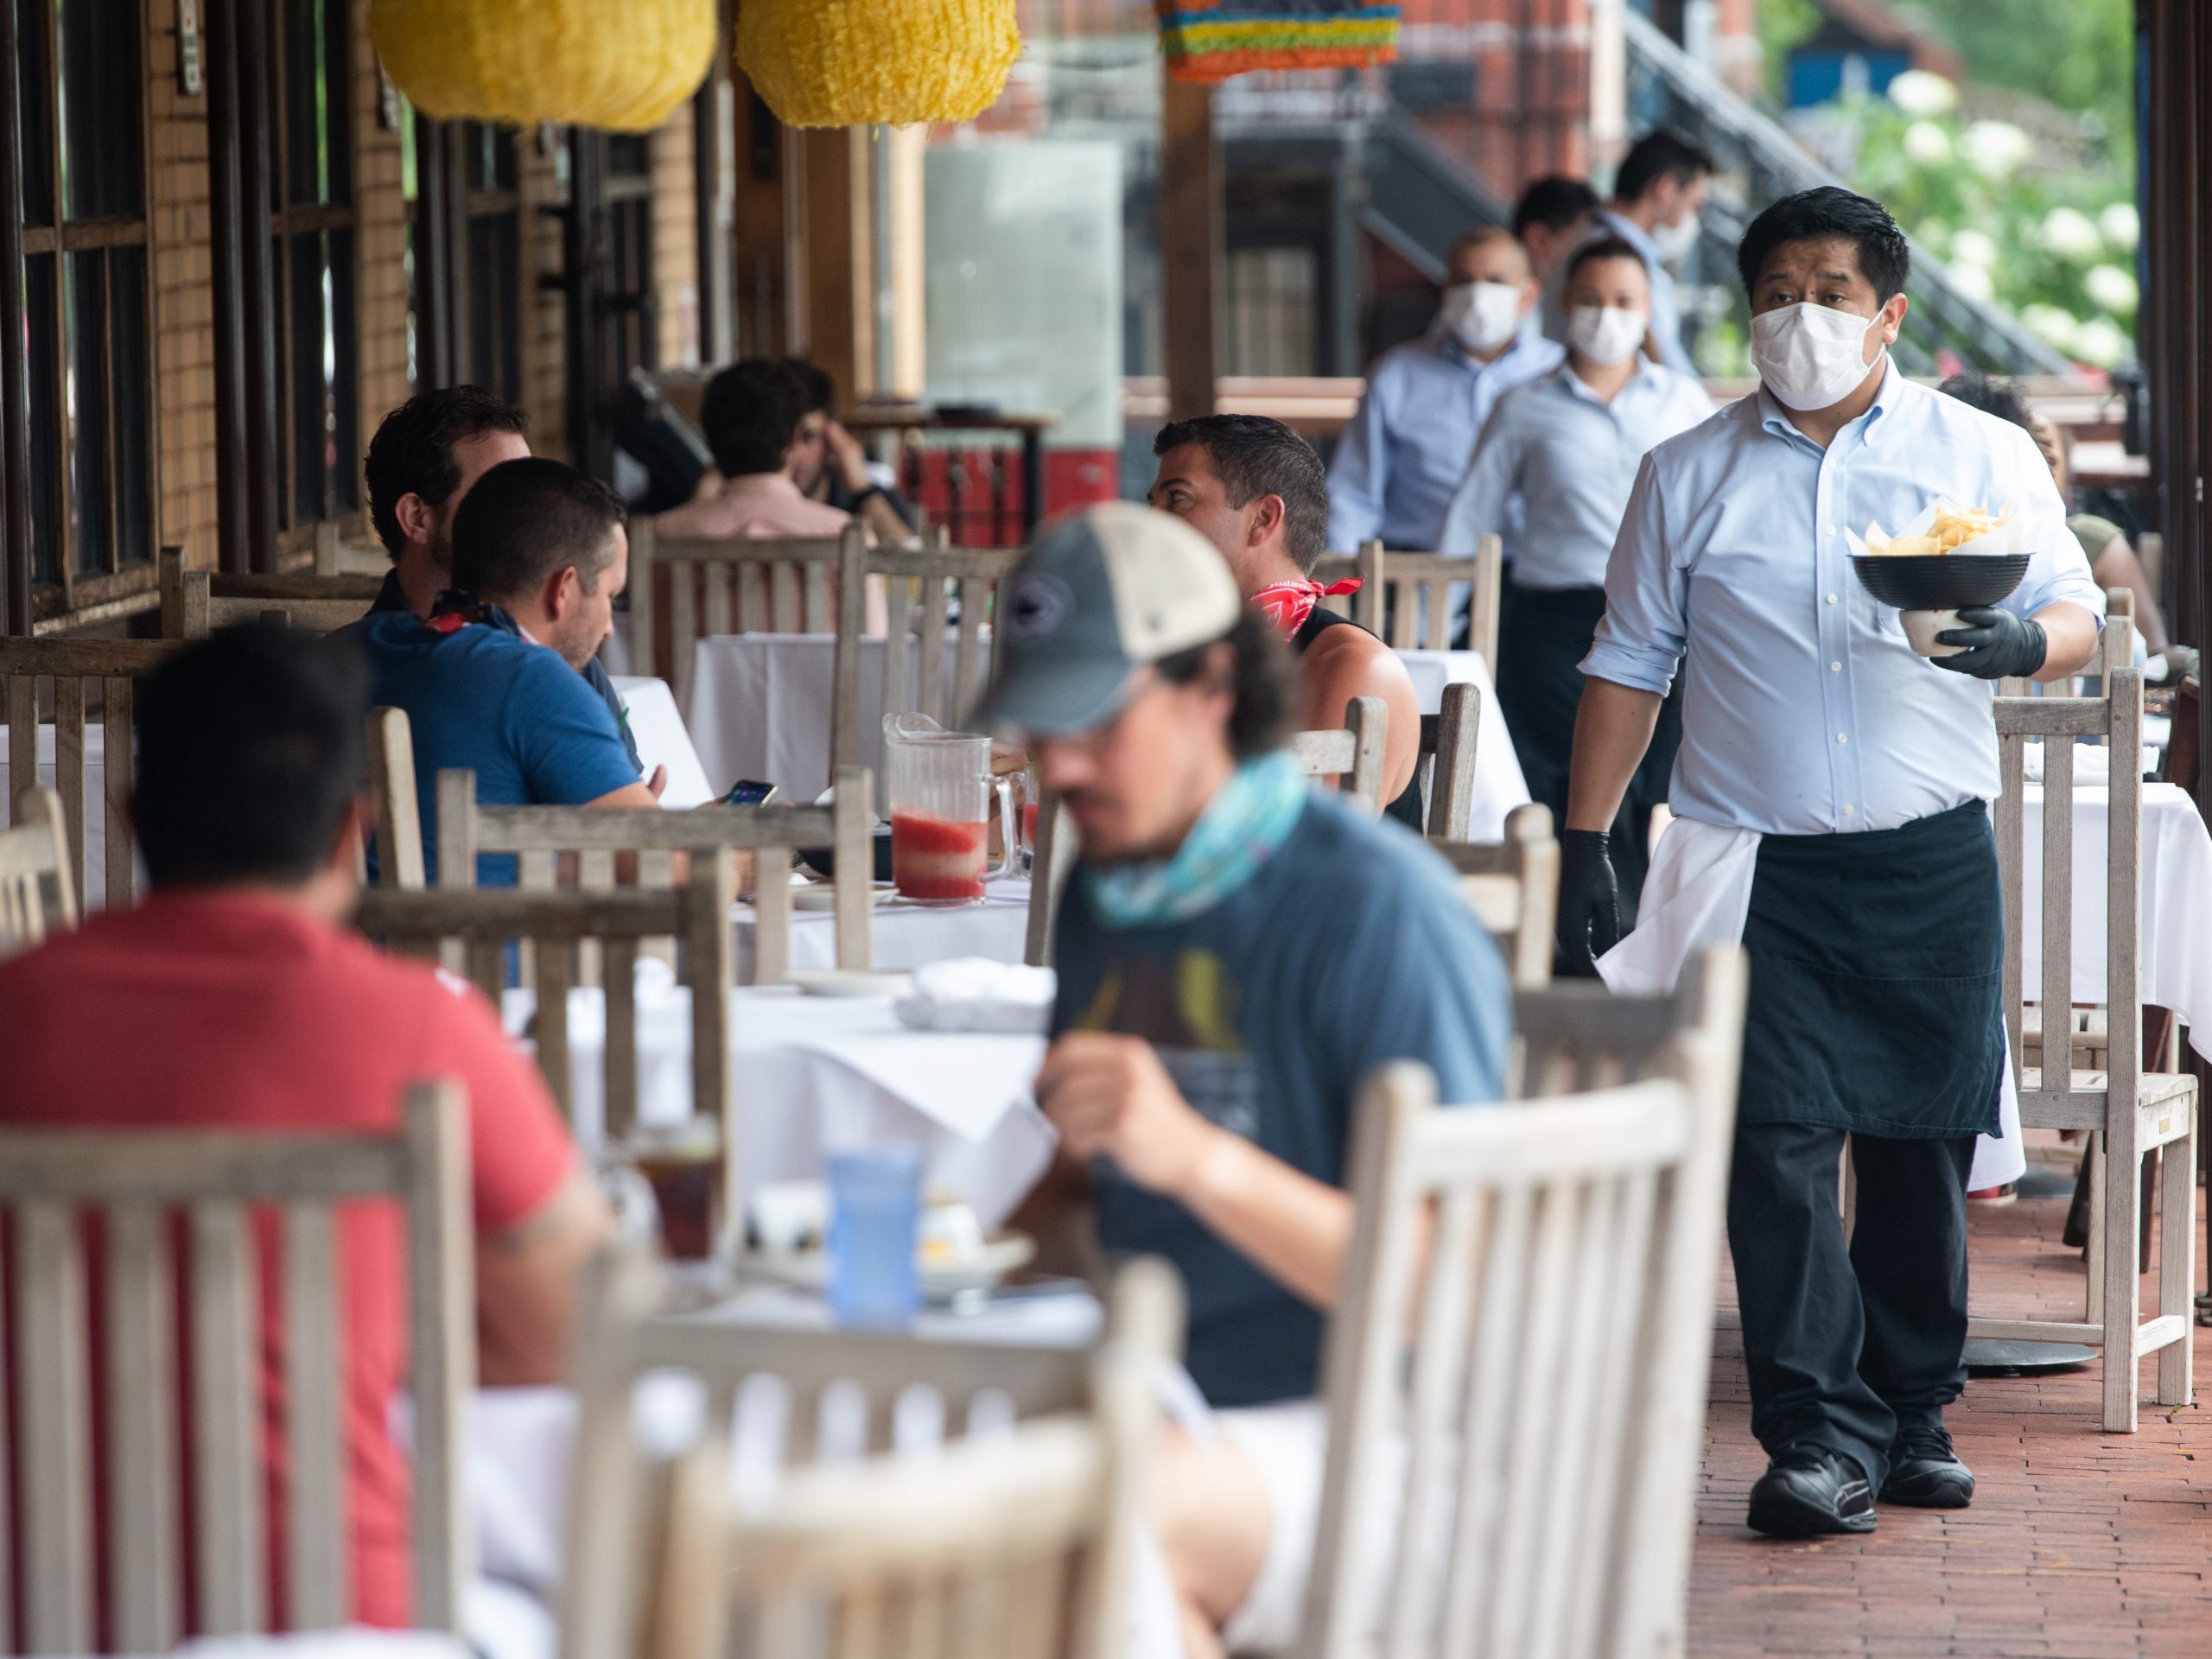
1543,635
1847,1347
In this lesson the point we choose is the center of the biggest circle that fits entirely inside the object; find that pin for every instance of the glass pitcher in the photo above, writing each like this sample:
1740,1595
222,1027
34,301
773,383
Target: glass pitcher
939,787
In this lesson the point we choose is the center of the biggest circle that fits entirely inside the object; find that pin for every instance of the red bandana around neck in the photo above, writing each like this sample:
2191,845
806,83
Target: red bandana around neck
1289,603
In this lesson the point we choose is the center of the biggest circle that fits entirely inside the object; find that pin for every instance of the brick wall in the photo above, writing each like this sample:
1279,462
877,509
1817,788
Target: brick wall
545,351
184,348
380,248
676,240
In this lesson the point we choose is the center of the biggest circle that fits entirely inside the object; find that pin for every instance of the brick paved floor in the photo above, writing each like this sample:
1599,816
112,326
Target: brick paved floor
2079,1544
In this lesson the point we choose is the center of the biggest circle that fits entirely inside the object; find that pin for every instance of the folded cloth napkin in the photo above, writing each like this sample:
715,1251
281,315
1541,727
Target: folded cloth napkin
979,993
2092,764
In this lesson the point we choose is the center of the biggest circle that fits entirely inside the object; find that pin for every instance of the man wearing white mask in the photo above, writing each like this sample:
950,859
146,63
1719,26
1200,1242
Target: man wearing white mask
1831,803
1569,445
1658,194
1426,401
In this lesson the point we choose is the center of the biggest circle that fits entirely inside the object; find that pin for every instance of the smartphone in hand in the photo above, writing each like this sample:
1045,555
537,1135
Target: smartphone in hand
749,791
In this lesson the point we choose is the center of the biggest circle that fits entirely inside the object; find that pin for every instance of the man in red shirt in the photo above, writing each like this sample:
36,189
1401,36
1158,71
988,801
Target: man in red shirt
235,999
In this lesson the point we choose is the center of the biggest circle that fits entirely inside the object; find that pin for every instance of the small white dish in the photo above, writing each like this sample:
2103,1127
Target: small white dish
848,982
1921,628
943,1280
822,895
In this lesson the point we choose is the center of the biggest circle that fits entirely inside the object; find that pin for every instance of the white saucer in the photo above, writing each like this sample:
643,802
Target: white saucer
848,982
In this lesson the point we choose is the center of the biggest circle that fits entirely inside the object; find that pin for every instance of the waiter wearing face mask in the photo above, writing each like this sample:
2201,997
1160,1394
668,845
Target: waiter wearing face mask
1569,445
1426,401
1831,791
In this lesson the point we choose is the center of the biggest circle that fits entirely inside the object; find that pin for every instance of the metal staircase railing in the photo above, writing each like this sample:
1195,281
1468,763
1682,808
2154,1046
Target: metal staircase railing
1419,196
1753,145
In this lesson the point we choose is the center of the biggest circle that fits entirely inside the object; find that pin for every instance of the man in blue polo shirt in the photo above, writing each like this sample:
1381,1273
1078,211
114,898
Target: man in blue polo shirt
490,681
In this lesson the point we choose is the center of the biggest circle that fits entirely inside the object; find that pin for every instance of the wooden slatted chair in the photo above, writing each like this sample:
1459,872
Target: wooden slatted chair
613,1593
1365,567
1409,594
134,1180
195,602
1446,763
732,586
923,585
1354,753
392,797
37,897
540,836
1537,1386
547,927
2135,1114
1051,860
1512,887
1575,1035
76,670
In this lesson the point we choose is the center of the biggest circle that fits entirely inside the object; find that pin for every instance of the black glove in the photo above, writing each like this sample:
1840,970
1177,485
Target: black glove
1589,902
1998,644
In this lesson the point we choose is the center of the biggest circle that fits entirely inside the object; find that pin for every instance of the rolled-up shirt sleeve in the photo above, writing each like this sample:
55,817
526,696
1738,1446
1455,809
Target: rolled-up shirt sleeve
2058,570
1492,479
1640,639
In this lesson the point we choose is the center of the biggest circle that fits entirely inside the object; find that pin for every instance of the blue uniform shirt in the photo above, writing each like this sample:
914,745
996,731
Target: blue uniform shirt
1571,459
1804,710
1397,465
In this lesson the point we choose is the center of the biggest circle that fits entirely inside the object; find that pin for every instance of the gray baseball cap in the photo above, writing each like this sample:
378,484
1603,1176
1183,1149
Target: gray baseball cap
1099,595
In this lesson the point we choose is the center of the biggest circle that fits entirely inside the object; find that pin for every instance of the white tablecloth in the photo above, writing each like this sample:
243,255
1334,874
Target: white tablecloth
1499,786
816,1074
662,741
94,804
907,937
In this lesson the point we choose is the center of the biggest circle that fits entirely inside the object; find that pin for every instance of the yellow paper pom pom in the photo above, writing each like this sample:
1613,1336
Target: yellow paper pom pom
621,65
847,63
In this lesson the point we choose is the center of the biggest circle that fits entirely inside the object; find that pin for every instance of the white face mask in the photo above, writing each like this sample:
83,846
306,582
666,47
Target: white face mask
1481,316
1675,241
1810,356
1605,334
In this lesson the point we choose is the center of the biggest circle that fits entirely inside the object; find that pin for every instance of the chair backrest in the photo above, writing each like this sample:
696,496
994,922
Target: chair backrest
921,586
2052,1097
547,927
735,585
2118,641
759,1377
134,1180
1354,753
1412,596
37,897
1365,567
195,602
1512,887
1051,860
75,669
392,796
1575,1035
1447,759
1545,1365
539,835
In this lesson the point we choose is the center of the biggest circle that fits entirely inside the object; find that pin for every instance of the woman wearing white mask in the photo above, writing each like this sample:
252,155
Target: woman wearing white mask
1569,445
1830,804
1426,401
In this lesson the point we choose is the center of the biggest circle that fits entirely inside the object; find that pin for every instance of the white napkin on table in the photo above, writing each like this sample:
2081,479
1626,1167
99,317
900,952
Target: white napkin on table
978,993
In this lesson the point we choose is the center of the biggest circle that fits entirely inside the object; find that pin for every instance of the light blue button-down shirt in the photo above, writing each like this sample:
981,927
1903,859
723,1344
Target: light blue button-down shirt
1572,458
1804,711
1666,310
1397,463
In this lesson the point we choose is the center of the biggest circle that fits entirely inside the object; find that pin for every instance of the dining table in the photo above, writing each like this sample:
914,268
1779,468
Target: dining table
902,935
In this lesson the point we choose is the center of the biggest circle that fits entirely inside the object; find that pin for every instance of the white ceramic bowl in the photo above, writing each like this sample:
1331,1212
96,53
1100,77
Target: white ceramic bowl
1921,628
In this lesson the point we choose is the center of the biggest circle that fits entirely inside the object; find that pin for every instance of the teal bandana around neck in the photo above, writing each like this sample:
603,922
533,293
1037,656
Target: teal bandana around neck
1252,815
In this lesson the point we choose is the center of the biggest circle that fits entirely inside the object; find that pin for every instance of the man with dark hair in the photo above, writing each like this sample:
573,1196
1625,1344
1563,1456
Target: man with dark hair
753,416
488,682
1255,490
1657,196
426,456
1550,217
251,1009
1426,401
1236,952
1830,802
830,465
1560,454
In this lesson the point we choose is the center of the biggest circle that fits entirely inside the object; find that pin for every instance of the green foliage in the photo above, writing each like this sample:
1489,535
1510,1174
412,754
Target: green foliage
2078,55
1784,24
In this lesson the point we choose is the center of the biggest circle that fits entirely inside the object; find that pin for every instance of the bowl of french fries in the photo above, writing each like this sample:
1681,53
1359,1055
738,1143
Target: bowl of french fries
1944,558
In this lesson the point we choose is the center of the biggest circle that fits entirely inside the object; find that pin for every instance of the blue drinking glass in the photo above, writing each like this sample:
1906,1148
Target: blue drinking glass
875,1212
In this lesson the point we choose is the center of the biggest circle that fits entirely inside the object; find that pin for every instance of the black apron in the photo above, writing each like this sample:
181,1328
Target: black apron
1875,999
1406,809
1544,634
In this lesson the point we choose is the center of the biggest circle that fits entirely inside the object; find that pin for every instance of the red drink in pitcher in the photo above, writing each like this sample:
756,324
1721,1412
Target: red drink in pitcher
936,860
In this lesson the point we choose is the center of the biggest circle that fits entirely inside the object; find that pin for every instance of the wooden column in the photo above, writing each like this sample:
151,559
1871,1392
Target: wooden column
1190,245
836,206
15,393
226,222
762,257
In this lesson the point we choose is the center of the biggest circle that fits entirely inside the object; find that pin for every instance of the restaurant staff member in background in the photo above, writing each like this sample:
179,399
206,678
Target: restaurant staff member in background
1426,401
1657,196
1255,490
1551,216
1568,446
1859,776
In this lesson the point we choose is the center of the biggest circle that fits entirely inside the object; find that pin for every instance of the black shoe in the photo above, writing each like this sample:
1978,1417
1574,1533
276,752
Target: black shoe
1926,1473
1809,1490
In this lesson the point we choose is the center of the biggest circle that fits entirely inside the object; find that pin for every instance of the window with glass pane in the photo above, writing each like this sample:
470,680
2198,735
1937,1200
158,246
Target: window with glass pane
493,211
87,351
312,251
